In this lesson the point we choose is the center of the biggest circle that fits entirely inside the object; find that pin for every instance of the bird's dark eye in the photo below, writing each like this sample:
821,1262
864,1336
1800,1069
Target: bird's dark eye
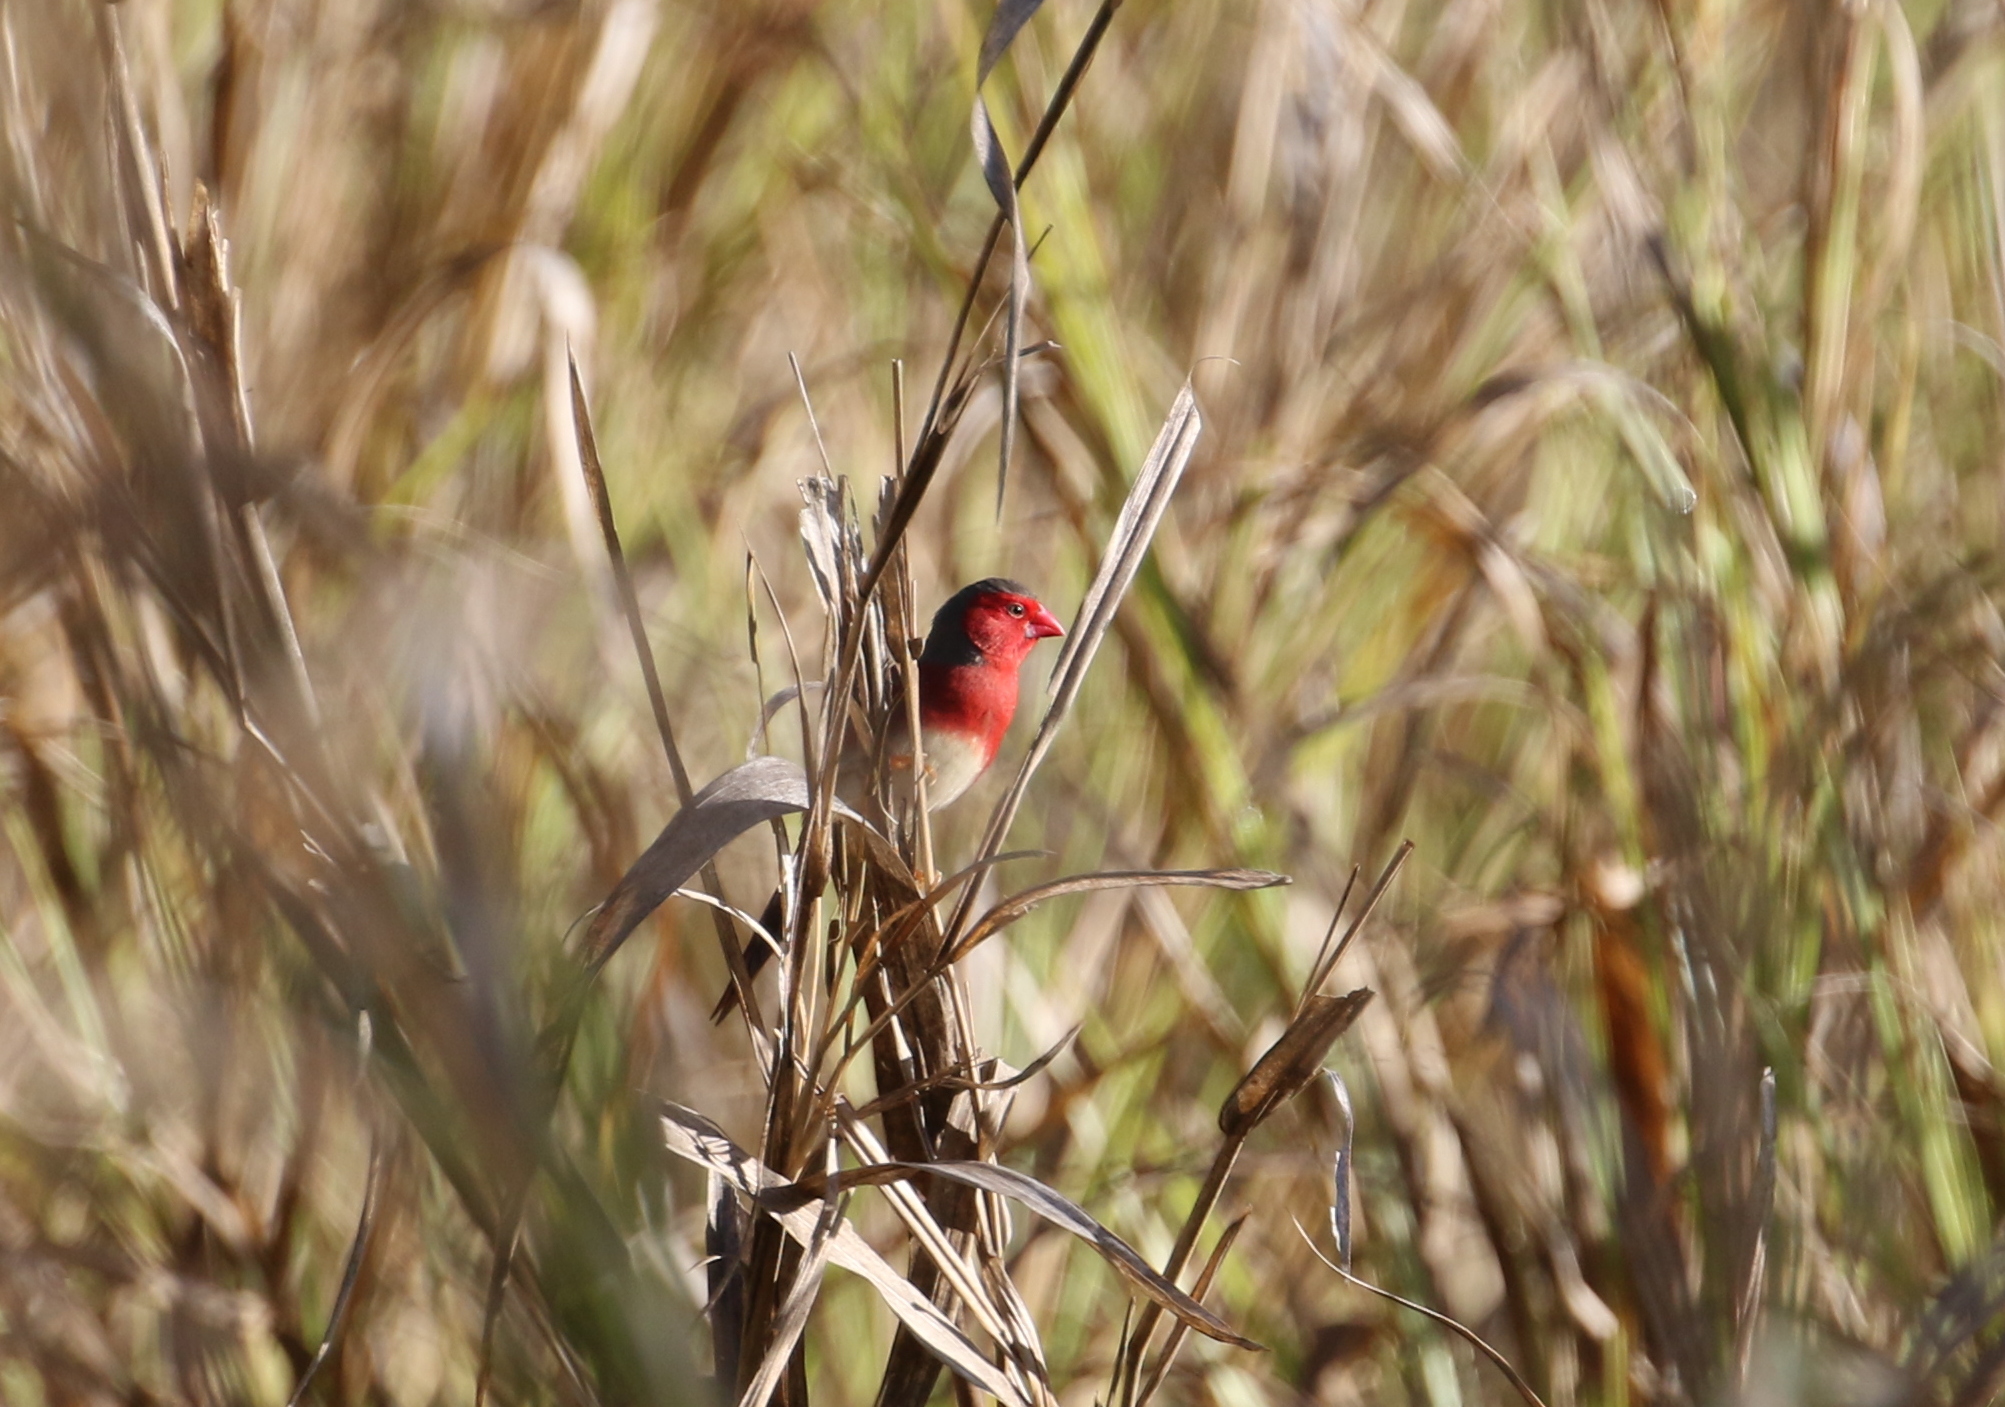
1016,608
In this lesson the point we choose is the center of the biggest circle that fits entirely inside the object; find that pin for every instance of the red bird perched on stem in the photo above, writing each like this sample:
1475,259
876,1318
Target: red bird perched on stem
967,697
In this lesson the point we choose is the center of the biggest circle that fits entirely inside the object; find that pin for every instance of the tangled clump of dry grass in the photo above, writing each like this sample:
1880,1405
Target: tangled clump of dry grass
1602,493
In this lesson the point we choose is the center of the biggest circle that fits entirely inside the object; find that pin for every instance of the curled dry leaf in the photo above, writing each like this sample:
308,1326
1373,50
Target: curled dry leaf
1291,1062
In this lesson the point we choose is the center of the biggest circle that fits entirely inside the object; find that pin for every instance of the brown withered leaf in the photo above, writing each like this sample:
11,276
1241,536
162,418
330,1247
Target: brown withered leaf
1291,1062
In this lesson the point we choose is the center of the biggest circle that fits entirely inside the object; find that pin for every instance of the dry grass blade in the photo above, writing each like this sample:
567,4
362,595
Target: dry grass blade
944,407
1761,1204
143,175
1010,16
724,1252
1448,1322
1179,1331
602,503
1022,902
1329,957
595,480
1340,1169
1148,499
1055,1208
814,421
996,171
365,1228
1324,962
689,1135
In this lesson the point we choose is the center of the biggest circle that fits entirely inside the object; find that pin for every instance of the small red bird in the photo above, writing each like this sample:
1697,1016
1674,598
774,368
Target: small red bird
967,682
967,697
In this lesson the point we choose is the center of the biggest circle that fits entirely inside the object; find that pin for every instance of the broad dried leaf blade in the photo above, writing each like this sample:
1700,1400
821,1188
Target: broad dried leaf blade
761,790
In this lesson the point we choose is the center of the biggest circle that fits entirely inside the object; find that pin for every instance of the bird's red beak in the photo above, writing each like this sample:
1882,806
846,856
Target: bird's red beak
1041,624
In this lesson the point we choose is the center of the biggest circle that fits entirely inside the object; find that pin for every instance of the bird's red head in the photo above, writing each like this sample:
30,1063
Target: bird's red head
994,622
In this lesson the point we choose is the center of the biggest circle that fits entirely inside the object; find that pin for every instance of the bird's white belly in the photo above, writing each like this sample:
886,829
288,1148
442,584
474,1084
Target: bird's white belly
952,764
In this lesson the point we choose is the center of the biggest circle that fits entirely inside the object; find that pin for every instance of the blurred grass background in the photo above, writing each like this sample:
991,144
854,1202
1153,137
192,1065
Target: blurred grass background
1600,487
